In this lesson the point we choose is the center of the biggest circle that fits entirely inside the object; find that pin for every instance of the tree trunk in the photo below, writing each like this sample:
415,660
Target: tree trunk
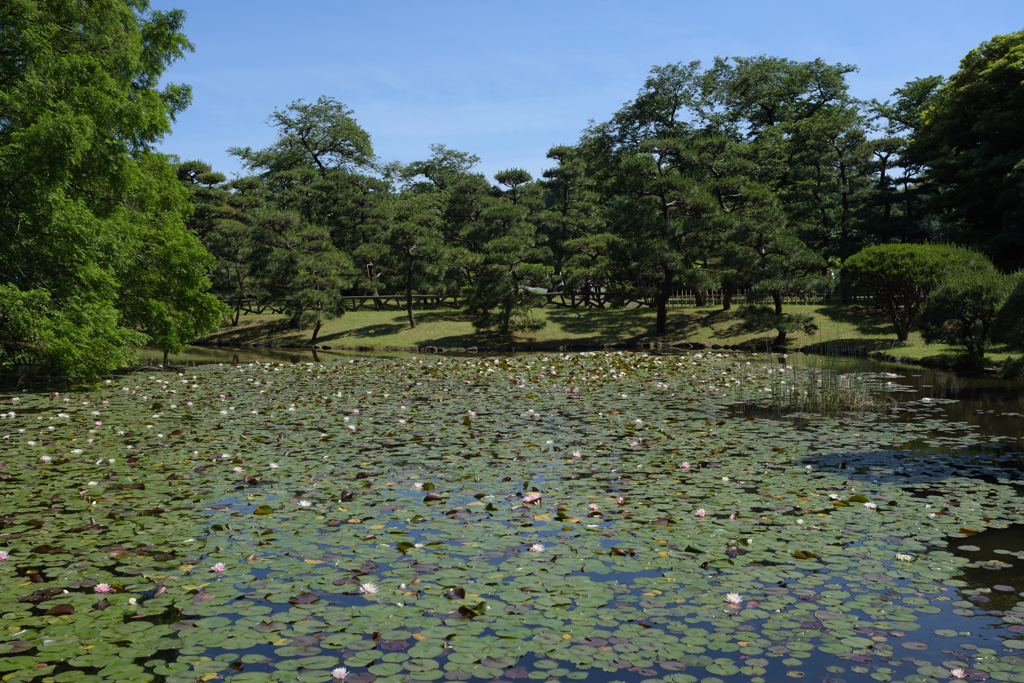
319,321
727,294
661,301
781,339
408,296
165,358
777,299
700,298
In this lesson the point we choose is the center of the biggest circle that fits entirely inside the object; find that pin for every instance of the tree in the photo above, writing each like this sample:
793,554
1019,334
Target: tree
164,294
901,276
415,245
319,210
665,223
322,135
960,312
443,168
302,269
810,136
764,255
219,221
971,139
510,261
895,202
653,165
81,191
573,224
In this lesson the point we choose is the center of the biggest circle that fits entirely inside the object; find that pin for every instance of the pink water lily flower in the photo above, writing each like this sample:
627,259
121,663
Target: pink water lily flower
686,465
702,512
102,588
593,506
4,555
531,498
733,598
341,673
218,568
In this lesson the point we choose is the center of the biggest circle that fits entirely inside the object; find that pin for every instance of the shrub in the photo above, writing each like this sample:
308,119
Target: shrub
1008,326
901,276
960,312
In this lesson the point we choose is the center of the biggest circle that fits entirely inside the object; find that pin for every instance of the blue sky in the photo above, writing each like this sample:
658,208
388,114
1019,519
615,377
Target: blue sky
506,81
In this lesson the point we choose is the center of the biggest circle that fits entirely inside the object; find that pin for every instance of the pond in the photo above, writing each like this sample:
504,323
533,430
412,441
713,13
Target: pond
602,517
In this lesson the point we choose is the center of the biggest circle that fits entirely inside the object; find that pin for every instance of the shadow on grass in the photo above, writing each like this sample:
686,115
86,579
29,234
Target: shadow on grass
380,329
854,347
399,323
604,325
728,325
867,319
442,317
248,333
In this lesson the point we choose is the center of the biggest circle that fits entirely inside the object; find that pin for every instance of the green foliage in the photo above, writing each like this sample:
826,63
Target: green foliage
510,262
415,248
972,141
302,269
1008,326
901,276
165,292
90,213
444,168
313,218
764,318
960,311
573,223
221,219
1013,369
809,142
322,135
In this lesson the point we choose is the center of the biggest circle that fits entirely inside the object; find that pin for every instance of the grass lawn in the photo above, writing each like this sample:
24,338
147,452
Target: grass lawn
845,329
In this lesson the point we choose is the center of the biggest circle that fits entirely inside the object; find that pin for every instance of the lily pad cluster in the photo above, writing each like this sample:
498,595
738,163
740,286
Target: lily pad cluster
569,516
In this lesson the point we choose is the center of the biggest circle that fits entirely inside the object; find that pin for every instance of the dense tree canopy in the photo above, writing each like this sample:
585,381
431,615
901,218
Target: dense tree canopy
761,174
94,255
971,139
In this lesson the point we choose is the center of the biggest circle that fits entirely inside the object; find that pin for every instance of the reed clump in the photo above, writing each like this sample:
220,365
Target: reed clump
819,388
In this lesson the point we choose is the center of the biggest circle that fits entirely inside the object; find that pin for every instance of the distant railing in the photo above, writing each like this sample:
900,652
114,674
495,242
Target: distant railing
714,297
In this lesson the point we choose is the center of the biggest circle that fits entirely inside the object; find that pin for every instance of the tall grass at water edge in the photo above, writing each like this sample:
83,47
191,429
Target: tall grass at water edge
819,388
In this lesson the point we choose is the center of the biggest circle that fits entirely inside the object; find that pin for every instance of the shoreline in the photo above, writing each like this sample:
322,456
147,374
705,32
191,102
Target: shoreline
570,347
